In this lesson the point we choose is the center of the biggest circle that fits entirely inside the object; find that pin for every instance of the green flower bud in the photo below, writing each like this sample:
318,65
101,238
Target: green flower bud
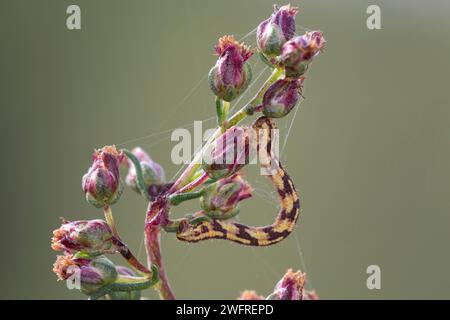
93,273
92,236
281,97
232,74
101,183
228,153
223,197
152,172
275,31
298,52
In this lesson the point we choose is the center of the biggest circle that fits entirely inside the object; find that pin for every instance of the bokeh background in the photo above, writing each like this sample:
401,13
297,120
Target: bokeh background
369,148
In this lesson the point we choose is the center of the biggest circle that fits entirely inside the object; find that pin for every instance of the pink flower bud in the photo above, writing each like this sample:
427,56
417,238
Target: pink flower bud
231,75
152,172
290,287
228,154
85,235
298,52
223,196
275,31
281,97
93,273
101,183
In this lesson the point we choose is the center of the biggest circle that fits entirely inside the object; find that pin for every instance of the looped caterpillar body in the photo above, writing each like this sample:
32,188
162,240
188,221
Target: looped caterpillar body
250,235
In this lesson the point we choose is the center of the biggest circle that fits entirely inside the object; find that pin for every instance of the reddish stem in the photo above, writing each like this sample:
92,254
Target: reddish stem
153,247
157,214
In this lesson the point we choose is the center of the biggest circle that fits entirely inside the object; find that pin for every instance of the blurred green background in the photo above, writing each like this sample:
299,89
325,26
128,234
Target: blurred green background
369,148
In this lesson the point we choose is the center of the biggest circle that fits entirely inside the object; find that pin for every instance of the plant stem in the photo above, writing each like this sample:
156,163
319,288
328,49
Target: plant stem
248,109
185,182
110,221
153,248
122,247
131,259
140,183
194,184
123,284
178,198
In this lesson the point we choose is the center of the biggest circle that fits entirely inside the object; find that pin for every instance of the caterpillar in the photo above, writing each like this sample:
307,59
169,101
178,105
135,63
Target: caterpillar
250,235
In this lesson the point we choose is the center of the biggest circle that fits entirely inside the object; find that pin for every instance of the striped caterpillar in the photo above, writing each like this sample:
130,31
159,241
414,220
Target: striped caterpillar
250,235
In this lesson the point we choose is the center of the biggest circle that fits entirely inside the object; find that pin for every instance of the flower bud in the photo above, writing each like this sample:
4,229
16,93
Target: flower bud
232,74
101,183
228,153
85,235
298,52
250,295
223,196
281,97
152,172
93,273
125,295
290,287
275,31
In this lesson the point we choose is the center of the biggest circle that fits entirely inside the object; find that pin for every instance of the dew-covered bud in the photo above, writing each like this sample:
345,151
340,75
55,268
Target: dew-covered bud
281,97
101,183
250,295
125,295
91,274
223,197
92,236
231,74
290,287
228,153
152,172
297,53
276,30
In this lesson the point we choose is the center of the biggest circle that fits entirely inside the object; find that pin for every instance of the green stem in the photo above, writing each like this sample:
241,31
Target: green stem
176,199
110,221
234,120
122,247
173,225
126,283
140,183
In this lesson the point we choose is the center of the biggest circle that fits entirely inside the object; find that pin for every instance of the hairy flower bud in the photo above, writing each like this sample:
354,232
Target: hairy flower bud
232,74
275,31
290,287
152,172
281,97
101,183
125,295
250,295
85,235
223,196
298,52
228,153
92,274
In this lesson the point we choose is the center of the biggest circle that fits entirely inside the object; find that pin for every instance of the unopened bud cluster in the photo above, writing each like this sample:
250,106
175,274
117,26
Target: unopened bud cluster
217,183
84,243
280,47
